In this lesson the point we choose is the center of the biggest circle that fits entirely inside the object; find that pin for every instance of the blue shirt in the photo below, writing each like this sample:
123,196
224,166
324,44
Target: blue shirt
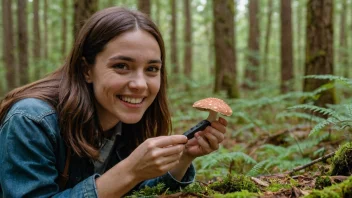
33,154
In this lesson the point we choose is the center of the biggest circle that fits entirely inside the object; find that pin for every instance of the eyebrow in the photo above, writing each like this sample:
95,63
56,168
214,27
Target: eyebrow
126,58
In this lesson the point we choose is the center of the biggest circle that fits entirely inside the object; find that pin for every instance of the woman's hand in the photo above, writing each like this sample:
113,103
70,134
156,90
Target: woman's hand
206,141
155,156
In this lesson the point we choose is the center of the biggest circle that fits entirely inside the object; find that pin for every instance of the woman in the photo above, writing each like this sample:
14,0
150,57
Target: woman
102,118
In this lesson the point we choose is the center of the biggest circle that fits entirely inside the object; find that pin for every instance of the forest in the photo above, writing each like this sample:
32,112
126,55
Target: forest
281,65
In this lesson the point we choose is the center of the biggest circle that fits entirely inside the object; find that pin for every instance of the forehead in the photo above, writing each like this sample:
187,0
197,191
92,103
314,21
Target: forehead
136,39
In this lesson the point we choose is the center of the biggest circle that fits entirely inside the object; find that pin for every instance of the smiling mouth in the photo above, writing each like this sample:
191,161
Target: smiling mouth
131,100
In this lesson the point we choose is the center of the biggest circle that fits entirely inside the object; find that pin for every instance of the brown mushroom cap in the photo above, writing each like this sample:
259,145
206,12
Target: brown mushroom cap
214,104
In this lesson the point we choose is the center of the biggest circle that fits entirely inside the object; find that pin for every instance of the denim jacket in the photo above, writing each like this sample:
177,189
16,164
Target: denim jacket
33,154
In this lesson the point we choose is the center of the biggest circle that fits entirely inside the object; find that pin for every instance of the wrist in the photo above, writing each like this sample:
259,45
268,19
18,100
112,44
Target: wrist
186,159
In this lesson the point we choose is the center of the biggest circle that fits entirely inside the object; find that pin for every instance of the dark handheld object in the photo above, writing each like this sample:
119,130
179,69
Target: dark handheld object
199,127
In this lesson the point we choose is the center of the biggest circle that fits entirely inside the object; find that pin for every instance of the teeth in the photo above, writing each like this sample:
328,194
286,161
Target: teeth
131,100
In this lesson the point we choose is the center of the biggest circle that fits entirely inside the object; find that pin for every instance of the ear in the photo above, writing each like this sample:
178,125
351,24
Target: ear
87,71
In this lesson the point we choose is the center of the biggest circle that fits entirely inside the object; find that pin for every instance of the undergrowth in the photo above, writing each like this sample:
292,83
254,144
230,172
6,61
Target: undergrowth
258,117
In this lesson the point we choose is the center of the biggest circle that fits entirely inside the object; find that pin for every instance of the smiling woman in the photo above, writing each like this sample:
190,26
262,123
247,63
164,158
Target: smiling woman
100,124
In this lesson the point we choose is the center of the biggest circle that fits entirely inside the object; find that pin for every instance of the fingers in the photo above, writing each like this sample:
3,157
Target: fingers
165,141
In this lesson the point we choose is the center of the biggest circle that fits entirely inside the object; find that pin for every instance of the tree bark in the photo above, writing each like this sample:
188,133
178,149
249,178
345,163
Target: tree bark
64,28
224,42
83,9
267,40
8,44
286,47
22,41
144,6
46,34
36,42
174,51
251,70
319,48
343,49
188,42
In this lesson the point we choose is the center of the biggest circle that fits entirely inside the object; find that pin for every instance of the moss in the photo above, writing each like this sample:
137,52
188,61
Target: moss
198,188
276,186
150,191
343,189
241,194
322,182
233,184
342,160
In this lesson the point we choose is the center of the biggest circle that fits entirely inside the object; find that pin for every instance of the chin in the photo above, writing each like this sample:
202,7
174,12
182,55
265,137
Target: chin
131,120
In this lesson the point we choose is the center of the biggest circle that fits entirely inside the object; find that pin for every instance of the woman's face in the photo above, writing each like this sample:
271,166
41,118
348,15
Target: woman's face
126,78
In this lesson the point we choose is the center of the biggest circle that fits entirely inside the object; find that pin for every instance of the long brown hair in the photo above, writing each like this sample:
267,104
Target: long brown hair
67,91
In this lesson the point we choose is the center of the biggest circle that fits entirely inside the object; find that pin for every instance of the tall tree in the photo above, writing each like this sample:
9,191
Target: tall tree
174,51
36,42
64,28
225,53
319,48
267,39
46,33
8,44
343,48
144,6
83,9
22,41
187,62
286,47
251,71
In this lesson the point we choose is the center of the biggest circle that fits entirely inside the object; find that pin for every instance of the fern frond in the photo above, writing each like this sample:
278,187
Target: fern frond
313,108
321,125
305,116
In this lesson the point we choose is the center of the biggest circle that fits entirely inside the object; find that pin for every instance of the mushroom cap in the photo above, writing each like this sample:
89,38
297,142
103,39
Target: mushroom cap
214,104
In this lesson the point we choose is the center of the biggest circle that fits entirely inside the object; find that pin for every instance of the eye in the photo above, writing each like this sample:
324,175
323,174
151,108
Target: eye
120,66
153,69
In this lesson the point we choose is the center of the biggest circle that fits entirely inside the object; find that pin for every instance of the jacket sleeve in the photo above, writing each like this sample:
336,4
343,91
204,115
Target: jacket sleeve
28,158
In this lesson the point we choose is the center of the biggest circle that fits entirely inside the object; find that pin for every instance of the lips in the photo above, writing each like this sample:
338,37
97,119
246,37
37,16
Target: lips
131,100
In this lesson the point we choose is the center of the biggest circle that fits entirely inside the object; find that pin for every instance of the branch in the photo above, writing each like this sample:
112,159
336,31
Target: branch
311,163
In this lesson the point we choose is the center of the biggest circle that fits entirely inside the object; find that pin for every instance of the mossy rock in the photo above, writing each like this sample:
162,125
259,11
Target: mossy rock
342,161
234,183
322,182
343,189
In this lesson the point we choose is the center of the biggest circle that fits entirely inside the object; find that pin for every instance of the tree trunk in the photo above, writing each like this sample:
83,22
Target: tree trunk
267,40
8,44
174,51
157,11
188,42
286,47
64,28
83,9
36,42
144,6
343,49
22,41
46,39
251,71
224,41
319,48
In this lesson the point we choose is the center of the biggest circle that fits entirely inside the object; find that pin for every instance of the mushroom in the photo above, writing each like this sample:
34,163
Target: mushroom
213,106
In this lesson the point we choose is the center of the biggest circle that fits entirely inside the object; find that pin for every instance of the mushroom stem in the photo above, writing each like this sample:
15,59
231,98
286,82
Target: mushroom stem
212,115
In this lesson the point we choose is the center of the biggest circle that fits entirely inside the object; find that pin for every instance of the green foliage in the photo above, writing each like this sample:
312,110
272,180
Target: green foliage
198,188
240,194
343,189
217,163
150,191
234,183
342,160
322,182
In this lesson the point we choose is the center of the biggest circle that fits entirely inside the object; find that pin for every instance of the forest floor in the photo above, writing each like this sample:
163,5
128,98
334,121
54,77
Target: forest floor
271,143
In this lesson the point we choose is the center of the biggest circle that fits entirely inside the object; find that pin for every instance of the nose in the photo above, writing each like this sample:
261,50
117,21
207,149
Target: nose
138,81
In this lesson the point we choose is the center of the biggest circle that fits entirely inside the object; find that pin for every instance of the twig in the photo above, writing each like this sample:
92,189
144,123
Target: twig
311,163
